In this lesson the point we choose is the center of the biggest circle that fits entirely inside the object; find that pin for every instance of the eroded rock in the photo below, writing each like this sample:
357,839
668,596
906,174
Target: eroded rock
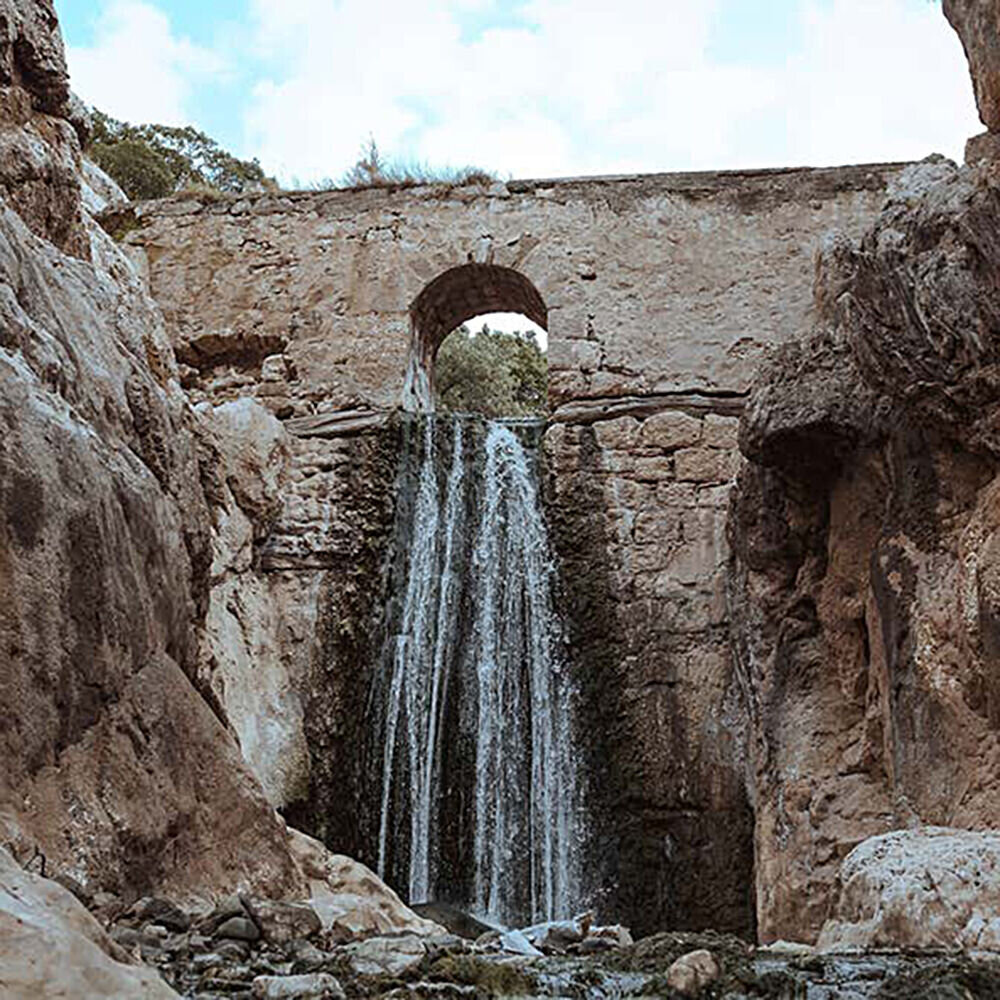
692,972
930,888
50,946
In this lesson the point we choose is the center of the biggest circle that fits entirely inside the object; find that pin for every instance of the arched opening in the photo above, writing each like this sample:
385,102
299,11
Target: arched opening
455,298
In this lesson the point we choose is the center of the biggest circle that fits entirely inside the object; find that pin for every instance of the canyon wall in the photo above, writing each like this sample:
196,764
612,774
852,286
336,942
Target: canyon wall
115,765
660,294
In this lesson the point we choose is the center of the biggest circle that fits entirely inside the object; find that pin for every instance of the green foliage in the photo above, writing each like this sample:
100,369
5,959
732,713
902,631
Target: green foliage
491,372
374,170
154,161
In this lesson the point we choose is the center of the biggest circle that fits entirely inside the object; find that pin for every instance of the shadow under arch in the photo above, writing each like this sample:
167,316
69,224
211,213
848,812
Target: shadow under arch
451,299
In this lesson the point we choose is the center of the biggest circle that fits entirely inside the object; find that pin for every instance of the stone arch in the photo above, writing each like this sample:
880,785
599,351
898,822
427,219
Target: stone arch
451,299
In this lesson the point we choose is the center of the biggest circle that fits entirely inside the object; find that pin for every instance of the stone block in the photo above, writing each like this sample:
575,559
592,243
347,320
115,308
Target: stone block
671,430
720,432
704,465
619,434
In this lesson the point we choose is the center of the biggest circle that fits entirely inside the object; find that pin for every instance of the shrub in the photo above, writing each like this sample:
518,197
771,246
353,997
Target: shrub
492,372
153,161
372,169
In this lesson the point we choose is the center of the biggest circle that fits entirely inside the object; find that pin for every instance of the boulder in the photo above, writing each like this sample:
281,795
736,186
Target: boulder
557,935
154,910
914,889
517,943
350,899
39,921
280,923
317,986
385,956
692,972
238,928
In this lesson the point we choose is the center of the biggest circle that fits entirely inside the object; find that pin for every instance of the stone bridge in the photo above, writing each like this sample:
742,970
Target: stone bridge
660,295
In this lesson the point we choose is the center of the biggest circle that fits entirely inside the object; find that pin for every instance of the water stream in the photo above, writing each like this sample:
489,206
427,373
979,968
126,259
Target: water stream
479,795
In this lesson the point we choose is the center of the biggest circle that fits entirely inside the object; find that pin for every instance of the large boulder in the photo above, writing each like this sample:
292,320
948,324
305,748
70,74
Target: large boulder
350,899
915,889
51,947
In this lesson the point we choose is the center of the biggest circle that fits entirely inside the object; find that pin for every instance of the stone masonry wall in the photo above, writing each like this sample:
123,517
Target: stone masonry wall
661,294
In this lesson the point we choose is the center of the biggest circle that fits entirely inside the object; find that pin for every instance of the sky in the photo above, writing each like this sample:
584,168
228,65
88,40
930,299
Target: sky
533,88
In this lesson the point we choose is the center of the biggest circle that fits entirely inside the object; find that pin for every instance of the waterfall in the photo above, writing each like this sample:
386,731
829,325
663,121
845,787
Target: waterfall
473,704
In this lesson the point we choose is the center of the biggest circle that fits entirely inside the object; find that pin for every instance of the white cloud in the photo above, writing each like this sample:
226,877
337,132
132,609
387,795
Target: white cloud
592,87
137,69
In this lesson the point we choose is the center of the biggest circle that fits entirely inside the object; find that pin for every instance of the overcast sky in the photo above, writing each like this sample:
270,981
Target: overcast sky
531,88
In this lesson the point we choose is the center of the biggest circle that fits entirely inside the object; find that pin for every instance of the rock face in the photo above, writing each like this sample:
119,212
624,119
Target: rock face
116,769
863,533
932,888
978,25
40,920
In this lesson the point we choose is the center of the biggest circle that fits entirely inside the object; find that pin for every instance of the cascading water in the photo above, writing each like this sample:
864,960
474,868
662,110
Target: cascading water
473,705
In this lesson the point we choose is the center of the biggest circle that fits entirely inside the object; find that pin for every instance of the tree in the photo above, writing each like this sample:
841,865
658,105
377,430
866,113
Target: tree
153,161
495,373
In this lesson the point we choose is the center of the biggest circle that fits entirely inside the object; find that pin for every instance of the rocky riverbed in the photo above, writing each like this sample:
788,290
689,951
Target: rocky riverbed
264,949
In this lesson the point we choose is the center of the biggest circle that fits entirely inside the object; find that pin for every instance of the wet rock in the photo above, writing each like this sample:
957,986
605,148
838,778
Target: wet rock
556,935
280,923
453,919
613,935
692,972
320,986
240,928
918,889
385,956
517,943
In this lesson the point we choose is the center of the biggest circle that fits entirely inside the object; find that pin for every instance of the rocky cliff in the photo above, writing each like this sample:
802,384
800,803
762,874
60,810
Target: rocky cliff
864,536
118,766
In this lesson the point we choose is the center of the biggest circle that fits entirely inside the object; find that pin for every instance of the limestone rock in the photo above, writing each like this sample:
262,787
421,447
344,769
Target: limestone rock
928,888
978,25
154,910
238,928
350,900
863,582
116,767
317,986
51,947
281,922
692,972
100,192
385,956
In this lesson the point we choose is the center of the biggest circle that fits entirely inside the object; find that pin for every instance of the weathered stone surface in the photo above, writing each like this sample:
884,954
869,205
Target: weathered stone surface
978,25
928,888
281,922
116,768
350,900
692,972
318,986
862,535
238,928
327,280
385,956
643,558
51,947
